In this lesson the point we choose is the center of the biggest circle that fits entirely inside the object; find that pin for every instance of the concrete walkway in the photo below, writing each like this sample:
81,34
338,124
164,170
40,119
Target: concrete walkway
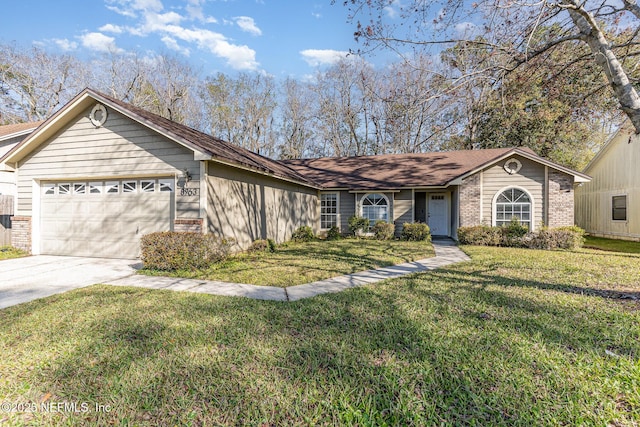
446,253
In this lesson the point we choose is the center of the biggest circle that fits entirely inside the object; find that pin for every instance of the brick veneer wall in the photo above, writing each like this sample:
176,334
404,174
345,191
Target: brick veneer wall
470,201
561,199
188,225
21,232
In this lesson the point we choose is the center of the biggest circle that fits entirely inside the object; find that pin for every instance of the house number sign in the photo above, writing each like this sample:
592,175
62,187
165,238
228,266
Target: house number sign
184,191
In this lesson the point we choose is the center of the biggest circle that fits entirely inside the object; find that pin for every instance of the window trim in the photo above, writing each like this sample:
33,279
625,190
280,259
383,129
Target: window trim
337,214
626,207
361,205
494,202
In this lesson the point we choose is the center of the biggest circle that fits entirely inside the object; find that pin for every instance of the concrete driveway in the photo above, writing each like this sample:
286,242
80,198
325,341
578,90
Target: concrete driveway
26,279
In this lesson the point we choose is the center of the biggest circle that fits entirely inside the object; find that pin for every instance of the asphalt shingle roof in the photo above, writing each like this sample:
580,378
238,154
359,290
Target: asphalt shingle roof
394,171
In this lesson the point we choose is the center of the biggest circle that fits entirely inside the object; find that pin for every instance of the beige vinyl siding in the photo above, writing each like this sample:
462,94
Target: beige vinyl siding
120,148
248,206
402,209
614,173
531,177
347,210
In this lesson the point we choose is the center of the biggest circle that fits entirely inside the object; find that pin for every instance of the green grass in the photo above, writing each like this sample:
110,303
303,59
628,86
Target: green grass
8,252
612,245
514,337
299,263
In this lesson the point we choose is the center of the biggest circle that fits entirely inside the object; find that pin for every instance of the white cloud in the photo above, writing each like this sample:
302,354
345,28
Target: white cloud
248,25
317,57
172,44
195,12
65,44
110,28
171,27
238,57
99,42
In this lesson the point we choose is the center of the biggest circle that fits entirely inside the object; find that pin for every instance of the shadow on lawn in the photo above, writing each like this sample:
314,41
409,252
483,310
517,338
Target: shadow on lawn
348,358
489,278
406,353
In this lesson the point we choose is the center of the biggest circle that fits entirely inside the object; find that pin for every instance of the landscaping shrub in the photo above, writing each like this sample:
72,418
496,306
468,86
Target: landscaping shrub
511,236
333,233
303,234
383,230
170,250
415,232
558,238
481,235
358,224
263,245
514,235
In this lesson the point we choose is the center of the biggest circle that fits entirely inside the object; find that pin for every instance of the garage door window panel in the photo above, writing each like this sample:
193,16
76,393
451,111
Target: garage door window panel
79,188
112,187
95,188
129,186
166,185
48,189
147,186
64,189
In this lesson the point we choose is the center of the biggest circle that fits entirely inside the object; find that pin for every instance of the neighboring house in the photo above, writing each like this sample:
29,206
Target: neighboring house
609,205
10,136
101,173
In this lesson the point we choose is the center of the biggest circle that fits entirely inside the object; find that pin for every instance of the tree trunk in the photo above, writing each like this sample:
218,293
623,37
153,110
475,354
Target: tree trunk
607,60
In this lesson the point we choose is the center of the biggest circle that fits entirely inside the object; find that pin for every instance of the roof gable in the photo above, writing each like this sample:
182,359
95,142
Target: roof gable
205,147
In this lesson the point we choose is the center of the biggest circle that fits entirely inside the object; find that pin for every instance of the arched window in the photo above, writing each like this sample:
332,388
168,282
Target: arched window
513,203
375,207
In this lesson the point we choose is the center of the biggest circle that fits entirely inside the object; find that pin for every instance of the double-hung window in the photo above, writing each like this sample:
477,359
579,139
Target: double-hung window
328,210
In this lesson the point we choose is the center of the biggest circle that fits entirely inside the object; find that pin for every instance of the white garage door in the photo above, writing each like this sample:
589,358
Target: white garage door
103,218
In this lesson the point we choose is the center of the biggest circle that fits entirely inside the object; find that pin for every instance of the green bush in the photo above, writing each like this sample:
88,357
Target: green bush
303,234
558,238
170,250
263,245
358,224
333,233
415,232
383,230
481,235
511,236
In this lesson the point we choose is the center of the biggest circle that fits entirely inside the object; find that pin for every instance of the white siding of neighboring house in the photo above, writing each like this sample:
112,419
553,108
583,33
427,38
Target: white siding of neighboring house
8,178
615,172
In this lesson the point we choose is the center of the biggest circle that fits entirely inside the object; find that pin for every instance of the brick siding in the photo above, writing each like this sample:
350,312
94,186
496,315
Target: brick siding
188,225
470,201
561,199
21,232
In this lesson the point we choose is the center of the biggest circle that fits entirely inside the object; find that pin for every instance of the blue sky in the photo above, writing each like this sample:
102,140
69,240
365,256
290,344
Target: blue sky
279,37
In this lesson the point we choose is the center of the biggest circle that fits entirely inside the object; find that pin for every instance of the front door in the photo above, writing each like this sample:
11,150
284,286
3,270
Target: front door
437,215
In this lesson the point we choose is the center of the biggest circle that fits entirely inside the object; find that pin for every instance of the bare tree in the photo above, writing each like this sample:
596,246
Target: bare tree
241,110
34,83
163,84
297,129
514,32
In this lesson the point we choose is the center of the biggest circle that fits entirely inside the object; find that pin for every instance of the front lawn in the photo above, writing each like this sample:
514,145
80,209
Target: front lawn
612,245
297,263
514,337
8,252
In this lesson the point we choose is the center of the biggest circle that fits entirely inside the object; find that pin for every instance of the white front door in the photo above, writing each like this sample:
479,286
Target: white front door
438,219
